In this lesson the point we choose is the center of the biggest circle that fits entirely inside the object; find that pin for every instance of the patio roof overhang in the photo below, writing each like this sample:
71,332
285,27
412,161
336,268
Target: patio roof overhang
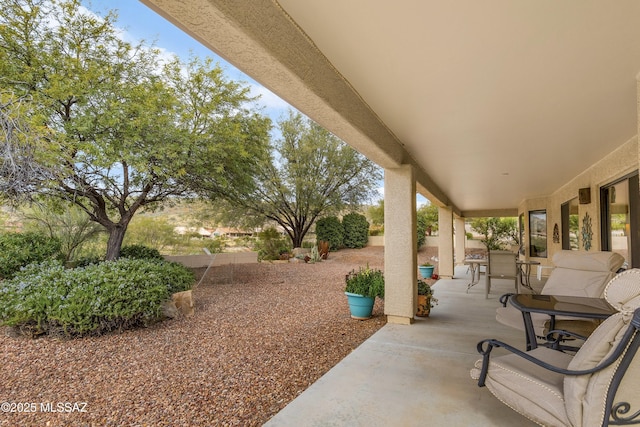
491,102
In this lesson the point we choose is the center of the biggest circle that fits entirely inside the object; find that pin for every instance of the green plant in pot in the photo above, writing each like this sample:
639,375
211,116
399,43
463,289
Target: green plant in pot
362,287
426,300
426,270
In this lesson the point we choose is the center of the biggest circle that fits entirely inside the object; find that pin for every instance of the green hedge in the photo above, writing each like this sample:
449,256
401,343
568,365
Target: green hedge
20,249
356,230
330,229
46,298
139,252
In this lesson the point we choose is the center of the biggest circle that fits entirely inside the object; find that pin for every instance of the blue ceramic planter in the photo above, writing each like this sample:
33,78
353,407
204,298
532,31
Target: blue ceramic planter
426,272
360,306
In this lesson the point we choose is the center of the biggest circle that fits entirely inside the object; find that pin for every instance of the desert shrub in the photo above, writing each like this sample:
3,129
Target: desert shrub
271,244
246,241
376,231
46,298
330,229
356,230
216,244
154,231
20,249
139,252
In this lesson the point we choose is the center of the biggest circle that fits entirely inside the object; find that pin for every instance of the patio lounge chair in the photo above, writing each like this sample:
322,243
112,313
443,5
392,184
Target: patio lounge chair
581,274
553,388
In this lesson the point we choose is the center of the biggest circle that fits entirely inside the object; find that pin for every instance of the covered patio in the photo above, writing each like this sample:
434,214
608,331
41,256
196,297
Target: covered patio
419,375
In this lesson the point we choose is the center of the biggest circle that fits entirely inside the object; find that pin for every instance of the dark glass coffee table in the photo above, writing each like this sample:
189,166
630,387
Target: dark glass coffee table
555,305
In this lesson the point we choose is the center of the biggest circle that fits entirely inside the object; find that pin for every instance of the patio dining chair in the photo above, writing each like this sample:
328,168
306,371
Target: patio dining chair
501,265
598,386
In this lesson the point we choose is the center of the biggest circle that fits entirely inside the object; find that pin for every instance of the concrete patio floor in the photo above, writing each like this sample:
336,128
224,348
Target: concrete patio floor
416,375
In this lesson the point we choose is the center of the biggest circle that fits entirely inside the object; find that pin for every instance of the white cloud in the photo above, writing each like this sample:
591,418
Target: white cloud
267,98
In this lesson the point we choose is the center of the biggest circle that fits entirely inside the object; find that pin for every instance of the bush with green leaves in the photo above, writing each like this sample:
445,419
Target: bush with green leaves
85,261
216,244
368,282
176,276
20,249
271,244
139,252
330,229
46,298
356,230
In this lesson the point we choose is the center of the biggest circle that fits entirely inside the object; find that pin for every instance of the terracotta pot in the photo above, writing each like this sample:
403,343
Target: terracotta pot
424,306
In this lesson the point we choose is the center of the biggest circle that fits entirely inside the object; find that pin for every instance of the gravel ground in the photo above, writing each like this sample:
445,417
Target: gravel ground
262,333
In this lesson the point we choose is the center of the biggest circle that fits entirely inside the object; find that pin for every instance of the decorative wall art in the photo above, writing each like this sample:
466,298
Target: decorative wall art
556,234
587,232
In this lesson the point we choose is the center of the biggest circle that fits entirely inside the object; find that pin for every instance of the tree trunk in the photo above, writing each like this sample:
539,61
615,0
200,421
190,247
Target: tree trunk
297,239
116,236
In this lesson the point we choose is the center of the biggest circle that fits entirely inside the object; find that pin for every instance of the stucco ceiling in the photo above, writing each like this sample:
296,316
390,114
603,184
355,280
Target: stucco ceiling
493,101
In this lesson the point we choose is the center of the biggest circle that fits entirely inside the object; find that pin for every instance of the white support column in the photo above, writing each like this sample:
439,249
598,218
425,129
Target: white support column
400,245
460,240
445,242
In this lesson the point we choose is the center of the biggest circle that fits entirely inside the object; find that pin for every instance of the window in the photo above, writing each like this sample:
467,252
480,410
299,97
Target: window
538,234
620,219
570,225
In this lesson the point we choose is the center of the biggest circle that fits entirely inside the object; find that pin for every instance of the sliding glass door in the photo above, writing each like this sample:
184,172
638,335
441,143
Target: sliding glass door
620,219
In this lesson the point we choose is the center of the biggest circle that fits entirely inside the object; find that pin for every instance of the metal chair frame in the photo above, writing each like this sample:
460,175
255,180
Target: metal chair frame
615,413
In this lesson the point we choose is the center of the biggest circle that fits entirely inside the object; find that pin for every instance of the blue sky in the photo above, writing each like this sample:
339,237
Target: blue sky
141,23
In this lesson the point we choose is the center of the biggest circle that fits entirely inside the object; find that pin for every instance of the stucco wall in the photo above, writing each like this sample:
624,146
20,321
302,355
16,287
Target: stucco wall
615,165
198,261
375,241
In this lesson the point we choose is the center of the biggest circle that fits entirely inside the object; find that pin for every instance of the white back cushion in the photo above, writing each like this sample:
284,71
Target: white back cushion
583,274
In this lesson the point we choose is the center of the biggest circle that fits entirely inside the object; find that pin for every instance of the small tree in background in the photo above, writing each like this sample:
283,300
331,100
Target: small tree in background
330,230
376,216
496,232
310,174
421,230
428,214
64,223
356,230
156,232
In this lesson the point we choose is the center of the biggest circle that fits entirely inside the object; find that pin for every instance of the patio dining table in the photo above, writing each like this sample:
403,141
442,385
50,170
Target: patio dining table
556,305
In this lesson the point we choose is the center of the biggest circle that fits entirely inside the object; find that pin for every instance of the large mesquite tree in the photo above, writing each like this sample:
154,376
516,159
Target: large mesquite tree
311,173
113,127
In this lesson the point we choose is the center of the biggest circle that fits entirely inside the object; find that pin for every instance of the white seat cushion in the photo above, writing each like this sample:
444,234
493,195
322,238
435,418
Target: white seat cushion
527,388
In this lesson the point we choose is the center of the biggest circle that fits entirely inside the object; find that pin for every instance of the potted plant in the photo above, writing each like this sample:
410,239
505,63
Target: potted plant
426,270
362,287
426,300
